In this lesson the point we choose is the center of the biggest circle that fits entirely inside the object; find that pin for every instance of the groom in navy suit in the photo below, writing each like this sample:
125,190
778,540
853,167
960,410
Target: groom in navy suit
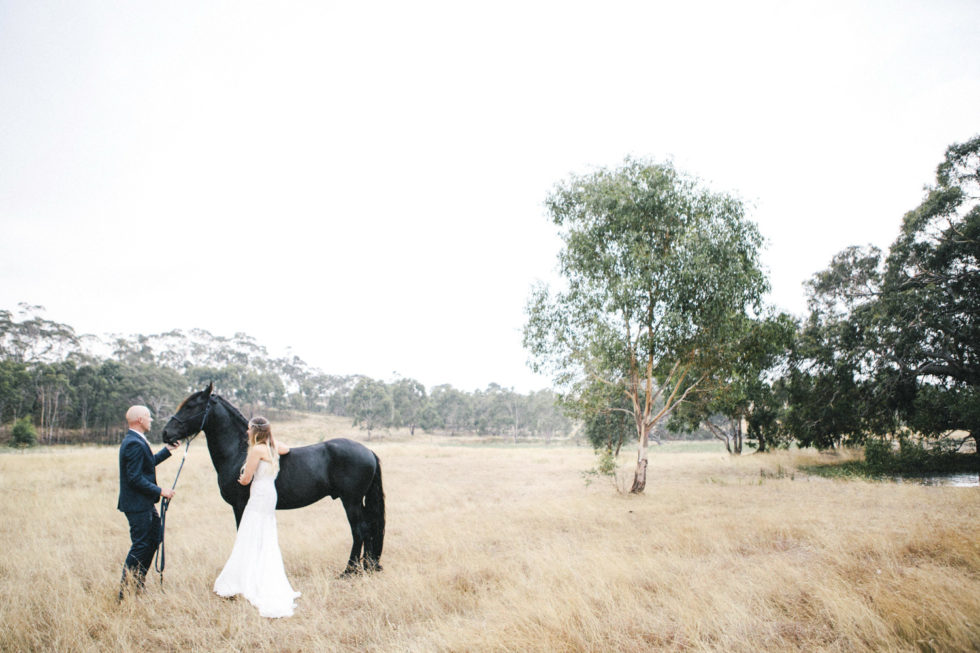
138,492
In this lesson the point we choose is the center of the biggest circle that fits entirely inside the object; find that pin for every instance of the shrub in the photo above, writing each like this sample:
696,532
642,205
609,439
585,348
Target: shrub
606,464
878,453
912,457
23,433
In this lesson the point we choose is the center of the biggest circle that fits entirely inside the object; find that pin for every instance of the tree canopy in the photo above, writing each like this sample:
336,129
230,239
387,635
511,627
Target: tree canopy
891,340
930,298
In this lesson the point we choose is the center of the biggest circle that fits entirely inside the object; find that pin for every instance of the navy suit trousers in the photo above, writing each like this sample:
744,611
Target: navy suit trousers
144,531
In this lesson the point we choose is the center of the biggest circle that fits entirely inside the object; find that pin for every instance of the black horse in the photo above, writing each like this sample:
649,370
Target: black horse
339,468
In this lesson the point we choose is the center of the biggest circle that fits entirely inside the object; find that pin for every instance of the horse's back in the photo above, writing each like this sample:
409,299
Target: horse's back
352,466
351,451
335,468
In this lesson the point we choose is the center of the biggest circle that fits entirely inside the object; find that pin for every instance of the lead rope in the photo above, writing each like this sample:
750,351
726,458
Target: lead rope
160,562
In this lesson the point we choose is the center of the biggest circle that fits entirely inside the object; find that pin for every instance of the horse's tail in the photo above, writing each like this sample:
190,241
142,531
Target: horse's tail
374,506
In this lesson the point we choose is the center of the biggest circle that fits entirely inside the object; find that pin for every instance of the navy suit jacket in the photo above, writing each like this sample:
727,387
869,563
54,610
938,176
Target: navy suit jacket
138,489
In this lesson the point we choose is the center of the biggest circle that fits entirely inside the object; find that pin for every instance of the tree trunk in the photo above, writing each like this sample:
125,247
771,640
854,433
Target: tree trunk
54,415
516,422
43,406
640,476
720,434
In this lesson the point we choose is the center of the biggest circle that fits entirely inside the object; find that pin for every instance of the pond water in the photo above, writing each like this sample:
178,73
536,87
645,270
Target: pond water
971,479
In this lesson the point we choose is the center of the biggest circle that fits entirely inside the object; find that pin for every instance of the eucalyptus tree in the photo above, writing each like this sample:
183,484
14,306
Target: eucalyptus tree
660,273
835,372
35,339
745,400
930,307
497,410
448,408
546,418
15,380
54,395
313,389
511,410
133,351
159,388
370,405
408,398
893,341
339,393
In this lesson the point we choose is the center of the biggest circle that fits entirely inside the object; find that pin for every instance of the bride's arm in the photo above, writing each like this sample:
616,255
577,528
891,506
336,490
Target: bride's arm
281,448
251,462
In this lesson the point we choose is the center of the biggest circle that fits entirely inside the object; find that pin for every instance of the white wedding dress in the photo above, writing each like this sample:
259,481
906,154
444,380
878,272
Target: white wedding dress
255,568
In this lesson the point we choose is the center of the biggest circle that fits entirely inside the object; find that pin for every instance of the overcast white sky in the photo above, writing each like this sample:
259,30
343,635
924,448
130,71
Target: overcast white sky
363,182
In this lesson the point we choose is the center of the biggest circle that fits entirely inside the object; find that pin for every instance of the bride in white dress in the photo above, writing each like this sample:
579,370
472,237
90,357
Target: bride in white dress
255,568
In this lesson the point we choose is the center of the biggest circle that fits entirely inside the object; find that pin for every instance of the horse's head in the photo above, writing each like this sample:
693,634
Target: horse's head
190,416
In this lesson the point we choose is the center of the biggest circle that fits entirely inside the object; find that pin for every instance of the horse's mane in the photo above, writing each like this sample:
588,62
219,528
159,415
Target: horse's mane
234,412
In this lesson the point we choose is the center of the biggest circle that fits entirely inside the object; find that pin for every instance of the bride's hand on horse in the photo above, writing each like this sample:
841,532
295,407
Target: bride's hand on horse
251,462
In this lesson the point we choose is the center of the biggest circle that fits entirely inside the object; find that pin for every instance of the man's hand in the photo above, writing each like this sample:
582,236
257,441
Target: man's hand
166,493
172,447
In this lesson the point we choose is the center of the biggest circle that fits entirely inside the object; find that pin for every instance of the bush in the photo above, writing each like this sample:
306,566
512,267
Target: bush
23,433
606,464
913,456
878,453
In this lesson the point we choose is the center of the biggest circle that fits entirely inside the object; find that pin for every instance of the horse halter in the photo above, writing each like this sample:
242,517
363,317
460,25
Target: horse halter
204,419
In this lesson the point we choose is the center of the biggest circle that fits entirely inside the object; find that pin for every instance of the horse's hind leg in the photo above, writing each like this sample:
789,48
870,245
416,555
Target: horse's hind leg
358,531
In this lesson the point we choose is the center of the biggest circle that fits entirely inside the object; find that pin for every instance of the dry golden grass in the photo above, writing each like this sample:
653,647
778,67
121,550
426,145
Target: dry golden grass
507,549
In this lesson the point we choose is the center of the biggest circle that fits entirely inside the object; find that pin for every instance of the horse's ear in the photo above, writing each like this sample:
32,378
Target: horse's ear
210,389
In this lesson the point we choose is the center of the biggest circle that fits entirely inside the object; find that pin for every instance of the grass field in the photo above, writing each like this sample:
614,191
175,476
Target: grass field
508,549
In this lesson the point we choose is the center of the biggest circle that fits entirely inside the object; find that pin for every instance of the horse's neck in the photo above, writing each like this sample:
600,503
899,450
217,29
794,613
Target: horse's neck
226,442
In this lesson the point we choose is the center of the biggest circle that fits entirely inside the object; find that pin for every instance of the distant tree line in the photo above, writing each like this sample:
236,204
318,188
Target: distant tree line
76,388
662,327
494,411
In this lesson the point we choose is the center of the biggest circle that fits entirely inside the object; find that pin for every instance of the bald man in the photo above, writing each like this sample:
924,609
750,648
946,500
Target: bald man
138,492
